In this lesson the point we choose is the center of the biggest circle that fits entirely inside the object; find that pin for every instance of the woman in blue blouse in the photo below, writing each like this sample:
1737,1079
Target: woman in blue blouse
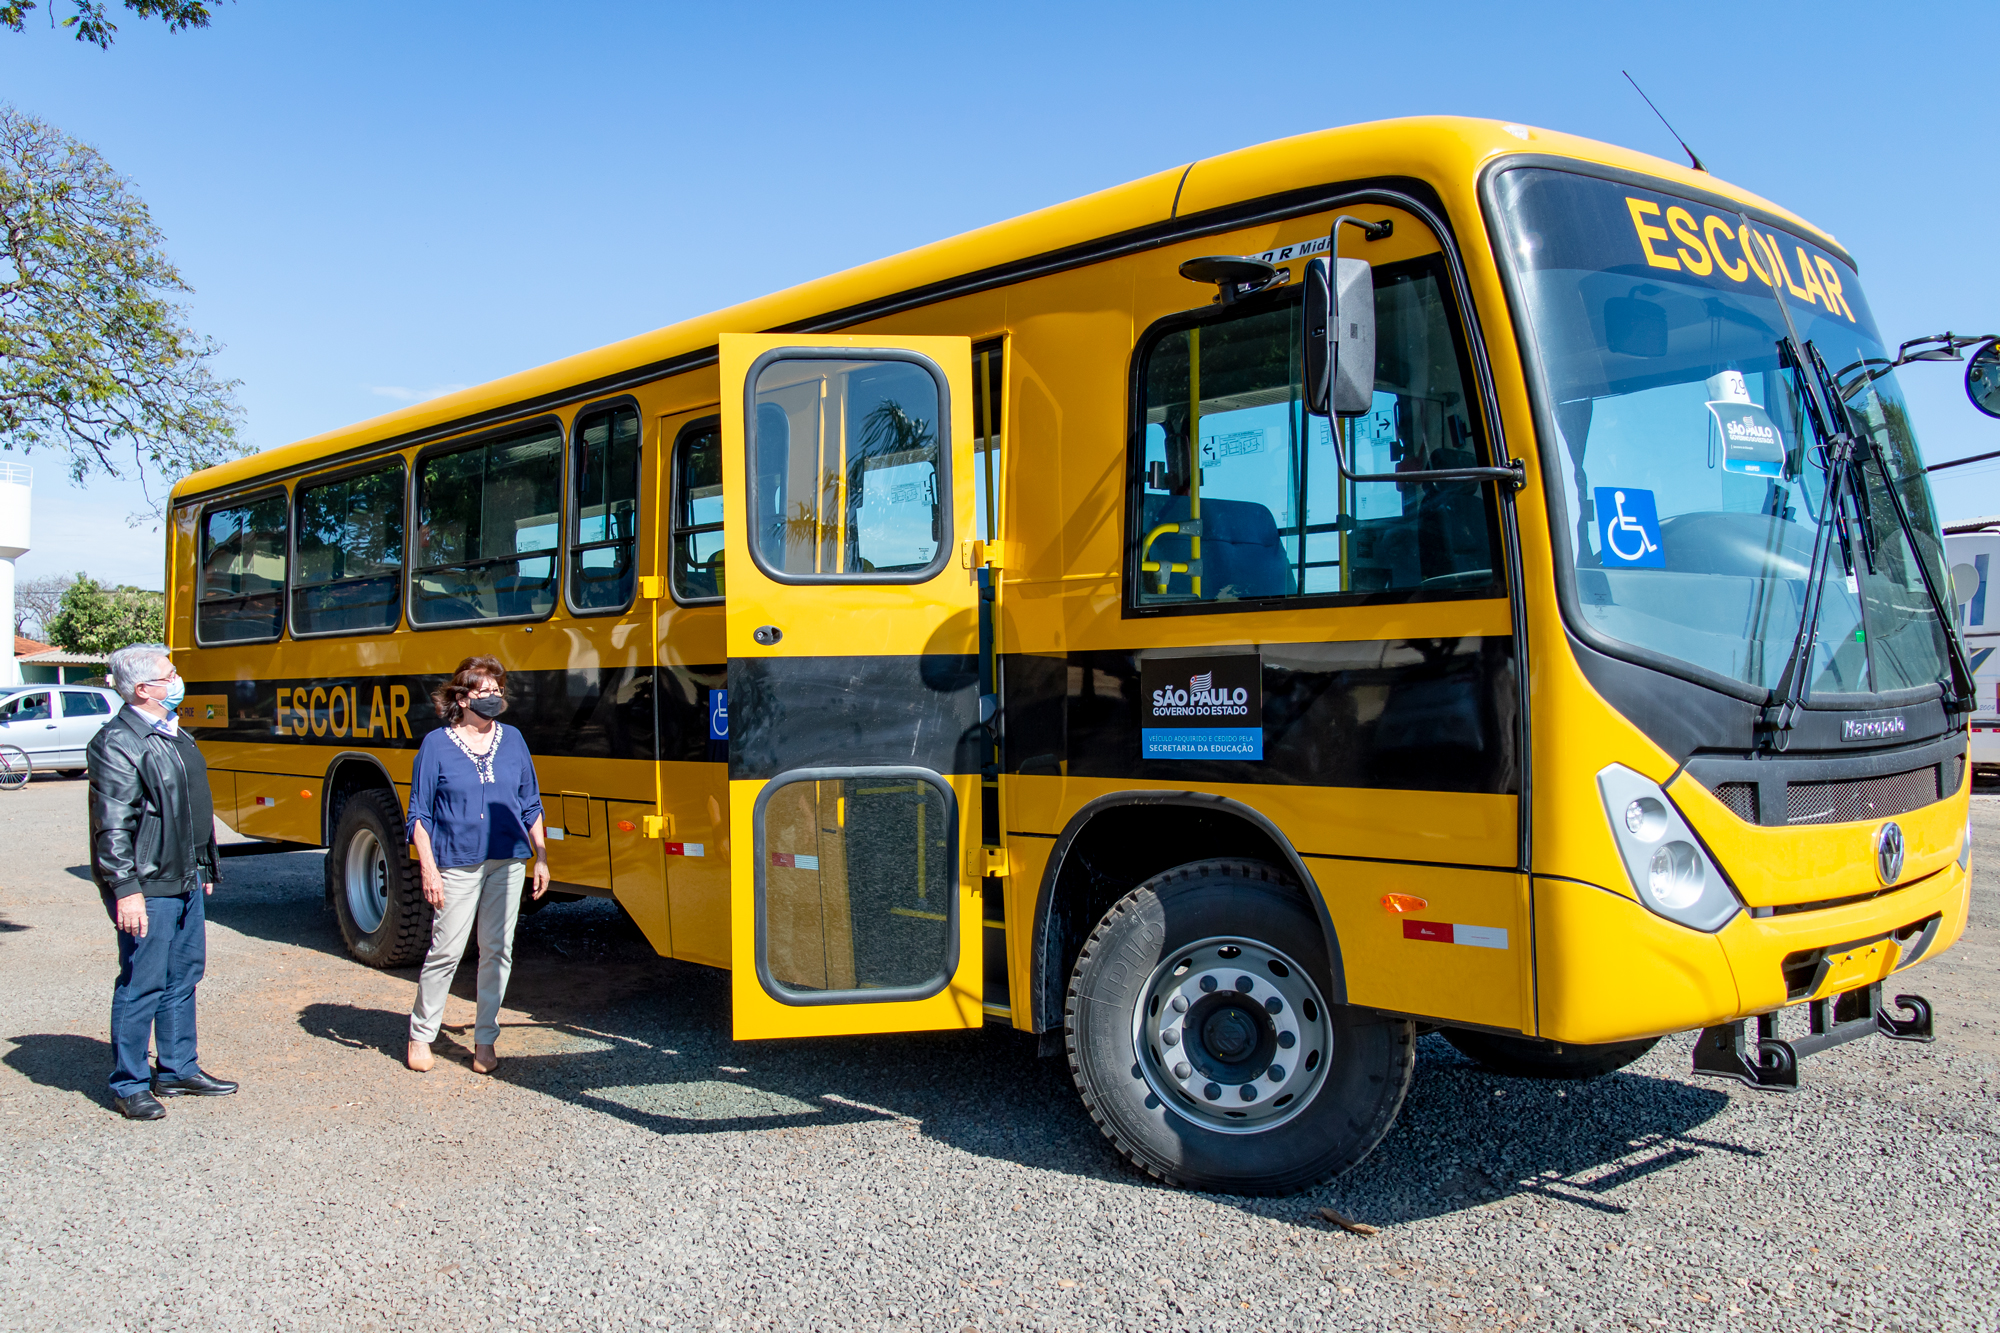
475,812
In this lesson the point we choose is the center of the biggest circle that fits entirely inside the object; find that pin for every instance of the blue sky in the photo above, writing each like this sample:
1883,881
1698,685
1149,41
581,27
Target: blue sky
376,202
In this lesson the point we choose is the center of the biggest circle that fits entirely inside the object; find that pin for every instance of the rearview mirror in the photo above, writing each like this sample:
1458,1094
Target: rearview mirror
1339,336
1982,379
1634,327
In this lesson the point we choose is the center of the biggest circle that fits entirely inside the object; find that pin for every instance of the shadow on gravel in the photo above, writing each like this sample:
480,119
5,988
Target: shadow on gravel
8,927
1467,1137
65,1061
620,1031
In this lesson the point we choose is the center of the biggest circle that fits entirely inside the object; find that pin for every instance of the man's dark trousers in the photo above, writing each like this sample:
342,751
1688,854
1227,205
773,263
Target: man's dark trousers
154,996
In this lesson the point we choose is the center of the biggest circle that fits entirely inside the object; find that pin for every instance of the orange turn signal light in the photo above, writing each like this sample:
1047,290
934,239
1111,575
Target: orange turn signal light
1400,903
626,826
305,796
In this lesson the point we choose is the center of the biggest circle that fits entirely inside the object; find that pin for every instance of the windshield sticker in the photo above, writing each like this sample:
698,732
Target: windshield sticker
1717,245
1202,707
1628,529
1751,442
1215,448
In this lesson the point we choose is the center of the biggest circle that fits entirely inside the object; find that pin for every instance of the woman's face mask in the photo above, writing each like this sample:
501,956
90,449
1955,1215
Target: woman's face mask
490,705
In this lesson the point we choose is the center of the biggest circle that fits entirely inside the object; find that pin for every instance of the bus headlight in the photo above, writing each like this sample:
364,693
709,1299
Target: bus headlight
1669,869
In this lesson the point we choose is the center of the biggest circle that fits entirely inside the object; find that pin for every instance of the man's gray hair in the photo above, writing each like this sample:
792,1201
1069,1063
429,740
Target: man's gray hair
134,665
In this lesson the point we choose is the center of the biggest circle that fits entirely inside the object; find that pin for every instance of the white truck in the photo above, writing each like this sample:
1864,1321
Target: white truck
1976,546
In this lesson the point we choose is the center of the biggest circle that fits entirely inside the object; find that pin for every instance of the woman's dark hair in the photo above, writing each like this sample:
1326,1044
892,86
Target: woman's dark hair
449,698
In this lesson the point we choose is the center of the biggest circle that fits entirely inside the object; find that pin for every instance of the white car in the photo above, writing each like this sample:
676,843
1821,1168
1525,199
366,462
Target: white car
55,723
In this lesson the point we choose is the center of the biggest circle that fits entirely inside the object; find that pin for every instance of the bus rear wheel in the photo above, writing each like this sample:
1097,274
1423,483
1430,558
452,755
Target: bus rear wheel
376,890
1522,1057
1201,1040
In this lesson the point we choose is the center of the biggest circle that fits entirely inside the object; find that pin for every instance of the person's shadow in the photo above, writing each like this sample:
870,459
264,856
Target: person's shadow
64,1060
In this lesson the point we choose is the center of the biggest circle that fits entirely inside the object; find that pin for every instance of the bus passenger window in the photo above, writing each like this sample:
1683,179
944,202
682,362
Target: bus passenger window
242,595
350,567
487,523
605,535
697,513
849,459
1256,509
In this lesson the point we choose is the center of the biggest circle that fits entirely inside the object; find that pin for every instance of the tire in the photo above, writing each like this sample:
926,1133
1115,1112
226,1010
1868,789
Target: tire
1523,1057
1183,945
376,890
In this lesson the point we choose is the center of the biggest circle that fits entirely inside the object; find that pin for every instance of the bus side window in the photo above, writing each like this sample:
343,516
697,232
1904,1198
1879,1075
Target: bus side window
697,513
1230,460
242,596
349,574
605,533
488,520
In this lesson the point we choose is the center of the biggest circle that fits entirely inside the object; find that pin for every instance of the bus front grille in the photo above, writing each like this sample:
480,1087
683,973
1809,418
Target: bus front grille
1868,798
1740,797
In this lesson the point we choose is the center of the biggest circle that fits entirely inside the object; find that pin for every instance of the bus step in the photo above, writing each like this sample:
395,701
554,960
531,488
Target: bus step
1772,1063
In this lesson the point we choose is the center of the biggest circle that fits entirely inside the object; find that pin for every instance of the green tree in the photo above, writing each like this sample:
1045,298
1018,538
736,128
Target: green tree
92,25
96,359
96,619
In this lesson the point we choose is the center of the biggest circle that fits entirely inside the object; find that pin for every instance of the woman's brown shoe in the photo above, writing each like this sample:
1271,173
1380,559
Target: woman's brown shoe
419,1057
484,1061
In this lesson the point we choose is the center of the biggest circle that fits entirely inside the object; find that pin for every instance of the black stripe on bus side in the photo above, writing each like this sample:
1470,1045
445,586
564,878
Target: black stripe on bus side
844,712
1401,714
629,712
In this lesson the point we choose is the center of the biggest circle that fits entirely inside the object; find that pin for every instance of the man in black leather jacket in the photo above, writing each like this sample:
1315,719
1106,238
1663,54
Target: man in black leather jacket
152,853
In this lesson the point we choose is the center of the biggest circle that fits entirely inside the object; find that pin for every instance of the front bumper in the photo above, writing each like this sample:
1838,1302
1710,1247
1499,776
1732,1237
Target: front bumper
1609,970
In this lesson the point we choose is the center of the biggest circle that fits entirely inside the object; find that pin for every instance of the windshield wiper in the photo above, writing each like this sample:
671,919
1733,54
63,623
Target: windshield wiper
1842,451
1963,690
1774,725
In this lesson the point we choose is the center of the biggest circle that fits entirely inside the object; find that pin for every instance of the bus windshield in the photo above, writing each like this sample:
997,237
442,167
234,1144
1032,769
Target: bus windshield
1691,479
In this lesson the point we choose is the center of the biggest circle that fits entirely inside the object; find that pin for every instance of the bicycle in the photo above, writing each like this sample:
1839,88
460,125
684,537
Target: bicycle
15,768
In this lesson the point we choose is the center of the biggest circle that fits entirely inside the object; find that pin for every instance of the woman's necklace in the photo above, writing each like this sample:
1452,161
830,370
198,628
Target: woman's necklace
482,760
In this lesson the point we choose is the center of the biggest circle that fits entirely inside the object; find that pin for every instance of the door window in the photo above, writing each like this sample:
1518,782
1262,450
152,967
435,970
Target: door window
488,528
1237,496
350,554
858,880
848,460
242,594
697,513
85,703
26,708
605,532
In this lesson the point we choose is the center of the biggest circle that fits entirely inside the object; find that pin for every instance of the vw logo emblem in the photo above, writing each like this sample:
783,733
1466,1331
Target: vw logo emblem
1889,852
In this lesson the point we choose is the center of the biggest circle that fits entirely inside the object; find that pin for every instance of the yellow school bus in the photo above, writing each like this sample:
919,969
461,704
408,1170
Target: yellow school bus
1429,575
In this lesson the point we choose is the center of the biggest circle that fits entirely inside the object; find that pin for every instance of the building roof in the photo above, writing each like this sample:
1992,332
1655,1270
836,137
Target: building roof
30,653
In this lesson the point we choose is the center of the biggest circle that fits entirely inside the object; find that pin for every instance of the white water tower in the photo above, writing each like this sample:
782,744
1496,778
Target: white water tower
15,482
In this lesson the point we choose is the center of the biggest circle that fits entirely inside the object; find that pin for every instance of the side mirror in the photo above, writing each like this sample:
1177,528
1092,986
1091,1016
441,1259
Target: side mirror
1339,336
1964,583
1982,379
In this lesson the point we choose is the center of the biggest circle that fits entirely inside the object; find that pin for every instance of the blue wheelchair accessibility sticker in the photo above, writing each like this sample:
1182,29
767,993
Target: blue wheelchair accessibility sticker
1628,529
718,715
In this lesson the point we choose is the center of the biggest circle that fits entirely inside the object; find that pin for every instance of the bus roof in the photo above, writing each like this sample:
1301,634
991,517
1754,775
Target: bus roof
1448,151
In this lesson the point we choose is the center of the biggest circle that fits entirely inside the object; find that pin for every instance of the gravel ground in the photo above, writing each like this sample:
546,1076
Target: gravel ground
631,1167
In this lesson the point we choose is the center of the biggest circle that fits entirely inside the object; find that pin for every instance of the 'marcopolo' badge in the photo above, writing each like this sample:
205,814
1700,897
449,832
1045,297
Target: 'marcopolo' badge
1202,707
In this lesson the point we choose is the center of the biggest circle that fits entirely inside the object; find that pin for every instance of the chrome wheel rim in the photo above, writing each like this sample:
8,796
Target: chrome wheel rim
1233,1035
367,882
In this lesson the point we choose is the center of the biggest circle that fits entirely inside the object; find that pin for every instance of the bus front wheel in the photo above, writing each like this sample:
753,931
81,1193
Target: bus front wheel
376,891
1522,1057
1202,1042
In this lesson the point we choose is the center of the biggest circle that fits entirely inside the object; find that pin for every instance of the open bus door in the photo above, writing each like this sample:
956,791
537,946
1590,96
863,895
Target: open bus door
854,729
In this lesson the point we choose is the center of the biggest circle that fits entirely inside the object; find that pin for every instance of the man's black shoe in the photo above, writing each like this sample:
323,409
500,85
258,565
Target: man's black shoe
201,1085
141,1105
